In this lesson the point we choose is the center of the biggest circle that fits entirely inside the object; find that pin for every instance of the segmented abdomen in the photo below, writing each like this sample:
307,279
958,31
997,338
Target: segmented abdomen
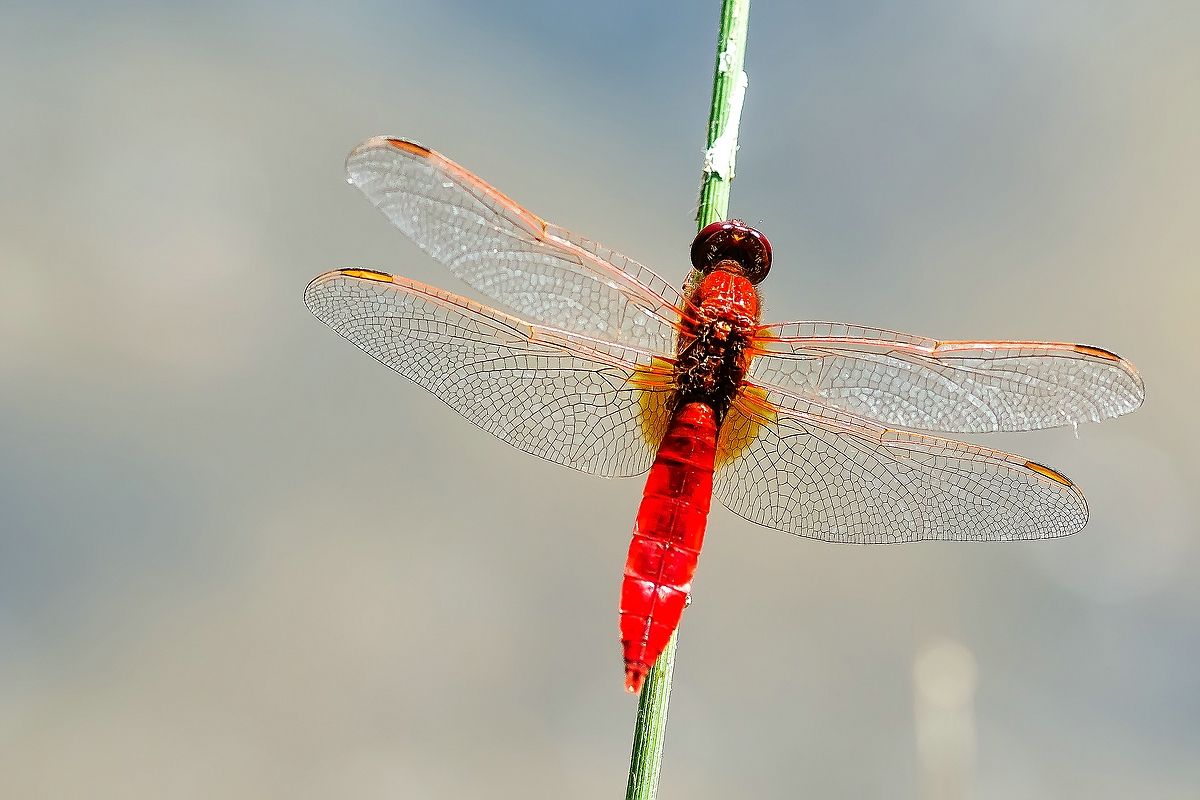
667,538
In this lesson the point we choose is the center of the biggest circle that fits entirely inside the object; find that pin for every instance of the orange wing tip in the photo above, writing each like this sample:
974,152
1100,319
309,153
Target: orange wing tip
1098,352
635,675
367,275
408,147
1049,473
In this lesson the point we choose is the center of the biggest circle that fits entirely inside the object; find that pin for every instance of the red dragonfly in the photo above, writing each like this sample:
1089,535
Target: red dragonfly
605,367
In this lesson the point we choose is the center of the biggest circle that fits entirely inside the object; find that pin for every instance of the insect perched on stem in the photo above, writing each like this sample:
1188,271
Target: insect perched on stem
603,366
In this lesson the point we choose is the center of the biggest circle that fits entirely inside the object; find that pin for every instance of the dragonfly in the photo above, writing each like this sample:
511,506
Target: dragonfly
819,429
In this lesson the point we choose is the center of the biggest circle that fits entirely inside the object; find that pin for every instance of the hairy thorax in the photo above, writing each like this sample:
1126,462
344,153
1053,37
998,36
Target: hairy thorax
722,315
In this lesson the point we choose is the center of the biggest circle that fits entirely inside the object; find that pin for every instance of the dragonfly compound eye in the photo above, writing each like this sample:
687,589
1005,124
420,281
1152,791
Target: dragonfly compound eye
732,240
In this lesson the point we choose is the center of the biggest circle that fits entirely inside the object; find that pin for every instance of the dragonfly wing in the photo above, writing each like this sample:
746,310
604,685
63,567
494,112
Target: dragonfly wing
540,271
811,469
957,387
590,405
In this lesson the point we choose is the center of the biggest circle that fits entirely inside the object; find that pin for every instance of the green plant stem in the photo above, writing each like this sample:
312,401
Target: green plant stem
724,115
651,728
729,84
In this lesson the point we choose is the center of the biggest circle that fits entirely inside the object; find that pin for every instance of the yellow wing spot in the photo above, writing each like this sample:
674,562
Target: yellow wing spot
1098,352
367,274
1049,473
655,385
749,412
409,147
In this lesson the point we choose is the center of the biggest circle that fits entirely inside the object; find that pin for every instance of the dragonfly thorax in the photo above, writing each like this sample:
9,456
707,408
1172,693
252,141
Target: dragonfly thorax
722,315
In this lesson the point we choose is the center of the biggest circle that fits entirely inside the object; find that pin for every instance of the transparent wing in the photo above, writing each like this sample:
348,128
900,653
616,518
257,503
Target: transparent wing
957,387
537,269
586,404
810,469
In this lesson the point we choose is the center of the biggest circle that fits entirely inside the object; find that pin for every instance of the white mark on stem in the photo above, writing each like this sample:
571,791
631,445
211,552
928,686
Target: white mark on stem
721,156
725,59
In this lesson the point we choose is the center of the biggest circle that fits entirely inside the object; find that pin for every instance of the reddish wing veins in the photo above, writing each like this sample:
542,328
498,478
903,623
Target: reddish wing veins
565,398
957,387
811,469
539,270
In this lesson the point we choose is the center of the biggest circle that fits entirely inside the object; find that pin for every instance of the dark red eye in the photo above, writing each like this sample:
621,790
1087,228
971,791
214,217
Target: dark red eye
735,240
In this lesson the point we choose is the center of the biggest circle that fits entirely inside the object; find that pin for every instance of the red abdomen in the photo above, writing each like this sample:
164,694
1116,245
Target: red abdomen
667,538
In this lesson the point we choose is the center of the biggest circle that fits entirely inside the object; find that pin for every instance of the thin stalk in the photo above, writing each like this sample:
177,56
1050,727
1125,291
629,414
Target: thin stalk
724,115
651,728
729,89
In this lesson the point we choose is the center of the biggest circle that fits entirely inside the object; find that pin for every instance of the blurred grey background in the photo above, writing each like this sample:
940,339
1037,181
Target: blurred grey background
240,559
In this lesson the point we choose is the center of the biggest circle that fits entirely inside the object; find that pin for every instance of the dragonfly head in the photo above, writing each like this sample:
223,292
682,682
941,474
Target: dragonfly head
732,240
